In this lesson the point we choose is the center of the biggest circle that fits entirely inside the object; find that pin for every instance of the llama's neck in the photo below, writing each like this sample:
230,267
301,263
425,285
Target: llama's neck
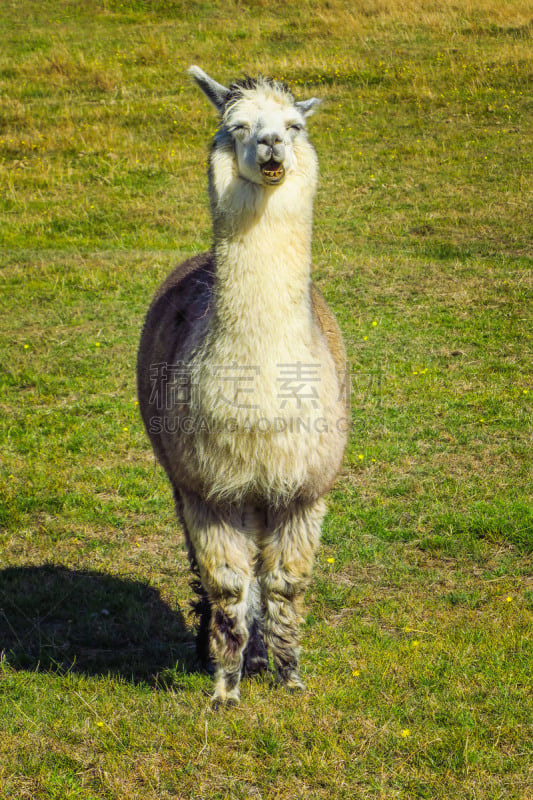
262,272
263,256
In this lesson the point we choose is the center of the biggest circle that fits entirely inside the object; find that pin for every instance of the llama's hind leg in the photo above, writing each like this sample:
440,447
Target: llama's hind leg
225,561
287,551
256,653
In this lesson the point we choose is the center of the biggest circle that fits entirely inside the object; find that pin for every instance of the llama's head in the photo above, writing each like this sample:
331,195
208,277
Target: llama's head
261,123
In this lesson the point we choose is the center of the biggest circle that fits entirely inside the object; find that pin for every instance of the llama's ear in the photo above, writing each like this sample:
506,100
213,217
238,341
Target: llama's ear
214,91
308,107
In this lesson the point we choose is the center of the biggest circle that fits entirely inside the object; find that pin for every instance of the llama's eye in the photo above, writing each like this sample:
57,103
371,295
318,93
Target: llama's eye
239,129
296,127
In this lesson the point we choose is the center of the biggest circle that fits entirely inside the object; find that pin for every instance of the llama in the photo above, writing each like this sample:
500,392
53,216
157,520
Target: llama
241,381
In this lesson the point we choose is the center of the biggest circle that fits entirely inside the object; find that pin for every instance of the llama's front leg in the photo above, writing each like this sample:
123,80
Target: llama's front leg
225,561
287,551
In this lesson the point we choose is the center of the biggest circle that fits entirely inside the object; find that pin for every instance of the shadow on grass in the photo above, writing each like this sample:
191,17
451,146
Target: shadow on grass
57,619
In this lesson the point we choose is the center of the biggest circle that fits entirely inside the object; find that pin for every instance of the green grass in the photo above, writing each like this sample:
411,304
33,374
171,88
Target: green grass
417,640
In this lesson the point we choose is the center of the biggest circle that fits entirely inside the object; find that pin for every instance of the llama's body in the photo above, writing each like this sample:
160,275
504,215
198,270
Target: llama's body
241,375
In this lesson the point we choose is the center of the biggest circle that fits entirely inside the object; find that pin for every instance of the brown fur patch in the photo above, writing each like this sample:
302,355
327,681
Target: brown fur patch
225,625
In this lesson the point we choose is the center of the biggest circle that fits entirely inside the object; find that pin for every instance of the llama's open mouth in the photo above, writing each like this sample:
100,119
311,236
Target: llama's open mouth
272,171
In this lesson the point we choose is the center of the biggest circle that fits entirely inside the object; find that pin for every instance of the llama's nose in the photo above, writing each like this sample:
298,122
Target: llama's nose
270,146
270,138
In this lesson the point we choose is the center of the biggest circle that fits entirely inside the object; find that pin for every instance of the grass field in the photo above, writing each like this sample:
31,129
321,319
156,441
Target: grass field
417,646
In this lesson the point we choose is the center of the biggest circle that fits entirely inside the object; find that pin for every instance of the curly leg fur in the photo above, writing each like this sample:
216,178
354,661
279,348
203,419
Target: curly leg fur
252,581
286,560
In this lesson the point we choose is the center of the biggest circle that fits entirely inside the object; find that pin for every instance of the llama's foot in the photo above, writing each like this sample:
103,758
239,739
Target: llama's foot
227,691
290,679
228,701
